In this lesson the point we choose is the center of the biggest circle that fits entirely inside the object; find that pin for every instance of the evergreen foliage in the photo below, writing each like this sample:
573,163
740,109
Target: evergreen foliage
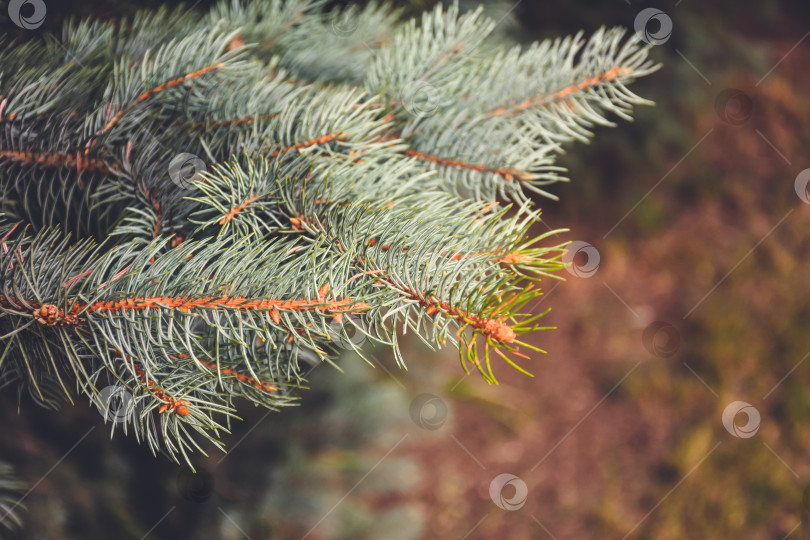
10,491
198,207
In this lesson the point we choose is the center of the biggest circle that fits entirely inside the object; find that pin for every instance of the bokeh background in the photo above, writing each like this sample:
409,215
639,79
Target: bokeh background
703,244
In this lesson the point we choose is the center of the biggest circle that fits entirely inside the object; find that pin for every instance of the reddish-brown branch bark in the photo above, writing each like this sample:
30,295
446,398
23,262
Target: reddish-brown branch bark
184,304
266,387
146,95
514,257
507,174
170,404
492,327
336,136
577,87
234,121
236,209
58,160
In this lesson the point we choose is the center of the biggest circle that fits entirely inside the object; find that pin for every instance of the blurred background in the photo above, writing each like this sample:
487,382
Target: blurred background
700,298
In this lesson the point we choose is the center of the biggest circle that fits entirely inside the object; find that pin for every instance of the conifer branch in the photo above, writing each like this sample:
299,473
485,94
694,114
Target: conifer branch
146,95
346,163
507,174
545,99
57,160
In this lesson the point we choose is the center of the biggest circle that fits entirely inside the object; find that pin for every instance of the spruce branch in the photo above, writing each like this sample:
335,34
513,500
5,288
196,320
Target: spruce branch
351,170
